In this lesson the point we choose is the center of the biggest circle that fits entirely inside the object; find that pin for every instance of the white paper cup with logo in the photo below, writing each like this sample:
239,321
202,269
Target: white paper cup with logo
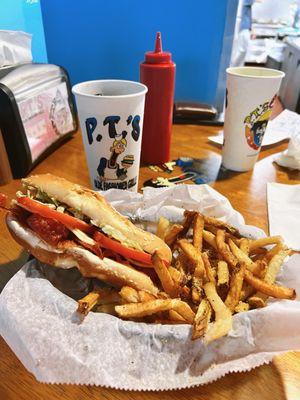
111,114
250,95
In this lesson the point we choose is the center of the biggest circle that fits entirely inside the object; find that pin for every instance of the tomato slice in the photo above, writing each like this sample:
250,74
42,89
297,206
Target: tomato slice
66,219
117,247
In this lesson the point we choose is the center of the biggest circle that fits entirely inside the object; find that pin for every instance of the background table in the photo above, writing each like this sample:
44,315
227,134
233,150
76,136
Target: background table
247,194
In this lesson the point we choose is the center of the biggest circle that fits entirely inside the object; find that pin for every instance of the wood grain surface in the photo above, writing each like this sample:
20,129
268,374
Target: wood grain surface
247,194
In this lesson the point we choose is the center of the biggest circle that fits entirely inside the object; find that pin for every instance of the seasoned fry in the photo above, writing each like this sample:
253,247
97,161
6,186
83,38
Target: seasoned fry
87,303
222,273
188,221
258,254
241,256
245,245
196,296
137,310
275,250
185,292
271,271
162,227
172,234
254,244
247,291
224,249
174,316
202,319
241,307
129,295
259,268
220,224
196,289
176,275
256,302
214,229
208,268
182,264
164,275
198,231
184,310
216,302
280,292
145,296
236,283
223,315
194,256
274,266
210,239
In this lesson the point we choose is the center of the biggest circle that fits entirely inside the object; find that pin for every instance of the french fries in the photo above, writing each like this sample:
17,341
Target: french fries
236,283
201,319
224,249
164,275
194,256
162,227
241,307
210,239
129,295
210,276
223,317
245,246
254,244
172,234
280,292
198,231
138,310
87,303
223,273
214,274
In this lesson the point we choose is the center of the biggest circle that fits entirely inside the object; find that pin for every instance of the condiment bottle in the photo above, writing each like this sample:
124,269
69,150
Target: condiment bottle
157,72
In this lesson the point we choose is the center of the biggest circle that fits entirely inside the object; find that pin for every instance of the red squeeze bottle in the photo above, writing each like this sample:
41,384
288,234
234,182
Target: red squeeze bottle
157,72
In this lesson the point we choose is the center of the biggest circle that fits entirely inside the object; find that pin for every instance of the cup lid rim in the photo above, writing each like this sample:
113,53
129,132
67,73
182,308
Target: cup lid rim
76,89
234,71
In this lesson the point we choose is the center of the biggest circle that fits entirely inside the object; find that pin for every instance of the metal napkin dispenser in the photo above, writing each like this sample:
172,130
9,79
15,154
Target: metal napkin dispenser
36,113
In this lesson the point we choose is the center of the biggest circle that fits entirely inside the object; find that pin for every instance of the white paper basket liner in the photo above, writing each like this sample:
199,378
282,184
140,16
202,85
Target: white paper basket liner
41,326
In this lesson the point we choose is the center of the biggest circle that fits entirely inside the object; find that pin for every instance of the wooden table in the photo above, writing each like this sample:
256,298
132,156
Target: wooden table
247,194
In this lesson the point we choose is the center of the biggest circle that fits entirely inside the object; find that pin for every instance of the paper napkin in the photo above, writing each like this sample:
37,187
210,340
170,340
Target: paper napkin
284,212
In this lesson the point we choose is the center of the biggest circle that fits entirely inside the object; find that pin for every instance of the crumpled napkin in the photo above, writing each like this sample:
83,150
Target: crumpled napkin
290,158
284,212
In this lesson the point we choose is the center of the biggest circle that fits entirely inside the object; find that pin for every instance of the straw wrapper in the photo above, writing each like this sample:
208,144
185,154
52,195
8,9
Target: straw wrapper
40,324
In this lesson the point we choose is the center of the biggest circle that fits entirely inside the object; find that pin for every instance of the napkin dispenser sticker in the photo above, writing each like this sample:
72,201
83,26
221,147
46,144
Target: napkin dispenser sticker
36,114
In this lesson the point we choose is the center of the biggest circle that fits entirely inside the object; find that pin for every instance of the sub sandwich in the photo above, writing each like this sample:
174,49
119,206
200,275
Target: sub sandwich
66,225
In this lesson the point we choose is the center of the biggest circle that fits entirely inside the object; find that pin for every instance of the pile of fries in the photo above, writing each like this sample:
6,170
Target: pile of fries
214,274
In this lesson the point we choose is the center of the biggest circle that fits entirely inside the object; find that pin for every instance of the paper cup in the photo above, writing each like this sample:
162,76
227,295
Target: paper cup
250,95
111,114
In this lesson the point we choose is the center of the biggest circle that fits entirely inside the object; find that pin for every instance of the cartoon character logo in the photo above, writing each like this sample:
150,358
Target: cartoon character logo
110,169
256,124
59,115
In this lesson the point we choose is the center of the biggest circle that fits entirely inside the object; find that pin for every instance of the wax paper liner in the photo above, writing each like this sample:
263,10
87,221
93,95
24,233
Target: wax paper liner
41,326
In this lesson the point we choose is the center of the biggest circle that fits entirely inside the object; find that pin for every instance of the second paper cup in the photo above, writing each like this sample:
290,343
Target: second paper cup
250,95
111,116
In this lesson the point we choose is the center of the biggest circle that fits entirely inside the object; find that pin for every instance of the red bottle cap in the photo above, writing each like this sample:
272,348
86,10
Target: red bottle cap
158,55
